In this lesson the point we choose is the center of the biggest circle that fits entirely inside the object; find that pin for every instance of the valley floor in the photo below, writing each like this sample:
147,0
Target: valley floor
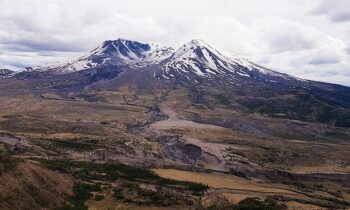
200,156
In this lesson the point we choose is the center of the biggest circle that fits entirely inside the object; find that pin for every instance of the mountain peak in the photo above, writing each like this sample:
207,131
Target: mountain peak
196,48
123,47
198,42
197,60
122,40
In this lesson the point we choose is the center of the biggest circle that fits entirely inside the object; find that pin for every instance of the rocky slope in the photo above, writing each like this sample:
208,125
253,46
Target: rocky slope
24,185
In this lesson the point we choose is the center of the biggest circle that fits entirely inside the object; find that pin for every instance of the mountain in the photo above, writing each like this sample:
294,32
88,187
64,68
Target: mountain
193,61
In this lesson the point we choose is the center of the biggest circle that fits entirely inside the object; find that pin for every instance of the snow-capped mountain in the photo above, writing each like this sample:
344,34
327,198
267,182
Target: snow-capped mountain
193,62
198,59
114,53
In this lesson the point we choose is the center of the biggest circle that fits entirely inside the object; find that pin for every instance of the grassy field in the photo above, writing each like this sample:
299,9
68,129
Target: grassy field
236,189
223,181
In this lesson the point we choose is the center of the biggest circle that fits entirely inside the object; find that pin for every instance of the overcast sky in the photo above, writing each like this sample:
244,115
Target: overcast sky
305,38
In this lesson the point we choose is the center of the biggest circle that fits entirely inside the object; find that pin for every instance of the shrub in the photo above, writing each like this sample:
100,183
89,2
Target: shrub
247,204
99,197
108,171
82,192
7,163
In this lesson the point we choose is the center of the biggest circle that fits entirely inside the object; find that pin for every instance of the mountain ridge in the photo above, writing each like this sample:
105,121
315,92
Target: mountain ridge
193,63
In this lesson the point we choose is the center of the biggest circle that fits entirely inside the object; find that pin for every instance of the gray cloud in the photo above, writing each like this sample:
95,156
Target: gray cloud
320,60
282,35
347,50
335,10
41,46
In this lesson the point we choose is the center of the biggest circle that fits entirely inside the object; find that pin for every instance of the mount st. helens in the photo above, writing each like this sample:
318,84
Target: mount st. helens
251,87
195,59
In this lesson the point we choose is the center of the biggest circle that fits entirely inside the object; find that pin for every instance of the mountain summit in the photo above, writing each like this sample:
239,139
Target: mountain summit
122,52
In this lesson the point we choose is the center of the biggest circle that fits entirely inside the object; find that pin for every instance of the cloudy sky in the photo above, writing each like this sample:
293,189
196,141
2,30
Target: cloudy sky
305,38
